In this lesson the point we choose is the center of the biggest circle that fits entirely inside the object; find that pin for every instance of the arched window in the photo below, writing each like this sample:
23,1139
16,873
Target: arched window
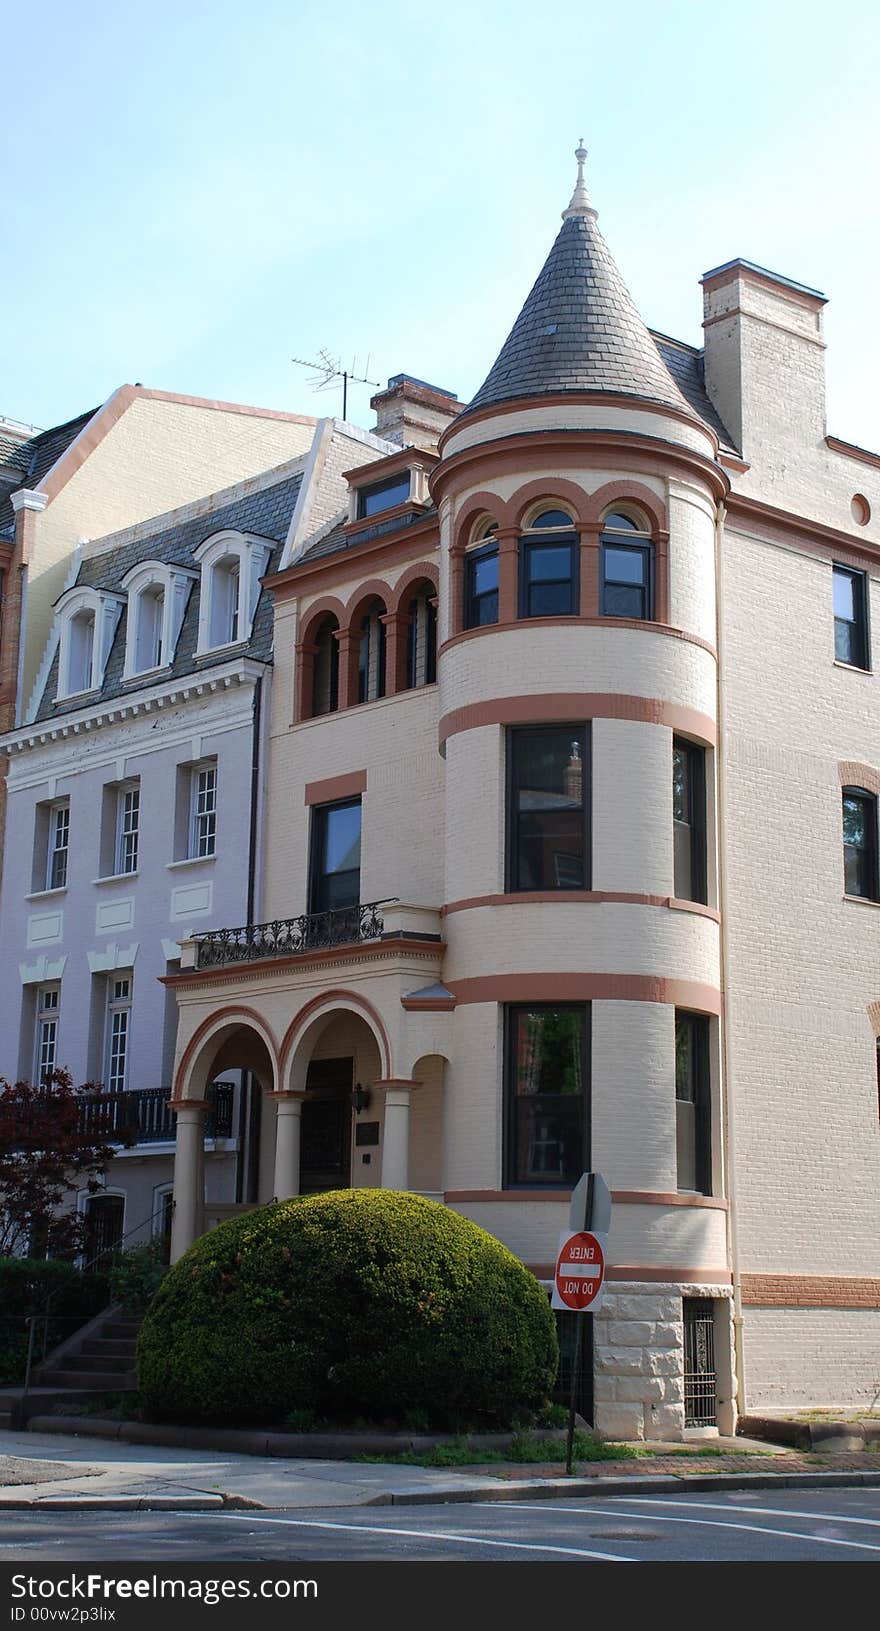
157,600
548,566
87,620
626,587
860,870
325,668
232,564
421,638
481,576
371,652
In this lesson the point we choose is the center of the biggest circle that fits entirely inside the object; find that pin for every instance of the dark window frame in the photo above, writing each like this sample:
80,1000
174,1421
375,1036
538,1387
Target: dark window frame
633,544
472,600
512,868
511,1012
365,656
858,623
317,849
377,490
414,645
532,545
869,850
696,757
700,1053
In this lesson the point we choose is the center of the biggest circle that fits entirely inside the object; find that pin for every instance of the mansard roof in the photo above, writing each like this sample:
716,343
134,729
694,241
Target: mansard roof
579,331
265,512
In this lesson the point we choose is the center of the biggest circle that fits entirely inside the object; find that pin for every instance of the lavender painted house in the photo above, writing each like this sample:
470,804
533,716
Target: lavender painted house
134,818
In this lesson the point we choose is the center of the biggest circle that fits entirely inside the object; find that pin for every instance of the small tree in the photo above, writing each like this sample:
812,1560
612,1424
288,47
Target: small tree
47,1149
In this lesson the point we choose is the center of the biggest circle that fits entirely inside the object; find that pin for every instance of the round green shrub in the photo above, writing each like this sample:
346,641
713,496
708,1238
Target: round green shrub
354,1302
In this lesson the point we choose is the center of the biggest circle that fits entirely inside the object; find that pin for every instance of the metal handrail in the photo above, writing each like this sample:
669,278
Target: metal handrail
46,1315
291,936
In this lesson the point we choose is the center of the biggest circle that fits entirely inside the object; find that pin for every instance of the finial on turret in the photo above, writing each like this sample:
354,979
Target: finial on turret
580,198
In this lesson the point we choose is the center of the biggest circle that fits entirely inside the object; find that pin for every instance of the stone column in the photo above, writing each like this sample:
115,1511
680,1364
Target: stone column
187,1218
288,1128
349,644
395,1136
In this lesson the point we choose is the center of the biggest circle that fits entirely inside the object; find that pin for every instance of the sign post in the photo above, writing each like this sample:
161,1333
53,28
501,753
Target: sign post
579,1278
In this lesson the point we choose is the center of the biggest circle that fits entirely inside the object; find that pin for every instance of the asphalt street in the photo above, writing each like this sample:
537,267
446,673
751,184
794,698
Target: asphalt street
776,1525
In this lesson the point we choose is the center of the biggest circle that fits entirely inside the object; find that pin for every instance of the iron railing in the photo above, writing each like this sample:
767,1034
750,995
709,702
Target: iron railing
290,936
700,1402
143,1115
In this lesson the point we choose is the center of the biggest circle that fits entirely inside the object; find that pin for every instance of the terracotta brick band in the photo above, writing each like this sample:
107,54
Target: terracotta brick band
333,788
809,1291
852,774
563,705
562,987
620,1197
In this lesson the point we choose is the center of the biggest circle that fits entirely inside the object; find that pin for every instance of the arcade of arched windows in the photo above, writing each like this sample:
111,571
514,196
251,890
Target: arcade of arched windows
381,643
554,550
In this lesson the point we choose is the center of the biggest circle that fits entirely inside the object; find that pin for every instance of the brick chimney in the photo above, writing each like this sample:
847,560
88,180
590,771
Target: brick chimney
764,357
413,413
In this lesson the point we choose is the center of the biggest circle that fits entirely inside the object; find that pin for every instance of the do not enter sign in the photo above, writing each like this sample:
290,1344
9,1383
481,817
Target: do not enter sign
580,1272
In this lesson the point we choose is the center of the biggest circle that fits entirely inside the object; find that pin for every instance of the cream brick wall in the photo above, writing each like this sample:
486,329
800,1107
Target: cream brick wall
597,936
815,1358
632,807
633,1093
692,560
474,812
524,661
472,1104
804,963
159,454
647,1236
572,415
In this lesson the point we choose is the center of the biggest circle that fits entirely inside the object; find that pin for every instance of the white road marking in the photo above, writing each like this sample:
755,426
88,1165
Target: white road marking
423,1534
758,1511
708,1523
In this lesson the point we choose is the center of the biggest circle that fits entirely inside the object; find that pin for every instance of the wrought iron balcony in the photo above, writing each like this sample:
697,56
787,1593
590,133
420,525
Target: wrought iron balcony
143,1116
290,936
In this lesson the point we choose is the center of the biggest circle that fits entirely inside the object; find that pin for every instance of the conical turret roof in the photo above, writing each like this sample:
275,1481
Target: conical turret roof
579,329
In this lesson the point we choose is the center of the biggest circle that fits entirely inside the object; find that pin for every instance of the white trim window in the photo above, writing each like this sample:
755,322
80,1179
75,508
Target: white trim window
128,807
157,601
232,564
59,845
203,812
118,1031
46,1033
87,620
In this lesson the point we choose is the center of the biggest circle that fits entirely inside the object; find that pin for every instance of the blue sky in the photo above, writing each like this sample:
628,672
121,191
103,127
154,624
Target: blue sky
195,192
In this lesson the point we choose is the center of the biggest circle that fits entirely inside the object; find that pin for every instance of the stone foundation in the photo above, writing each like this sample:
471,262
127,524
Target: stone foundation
638,1384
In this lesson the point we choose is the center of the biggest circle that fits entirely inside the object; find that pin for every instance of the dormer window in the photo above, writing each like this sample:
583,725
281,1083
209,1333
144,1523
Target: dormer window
232,564
157,599
87,623
382,495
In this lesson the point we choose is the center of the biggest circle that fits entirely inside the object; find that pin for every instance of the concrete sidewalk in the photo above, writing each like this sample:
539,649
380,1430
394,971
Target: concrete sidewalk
60,1473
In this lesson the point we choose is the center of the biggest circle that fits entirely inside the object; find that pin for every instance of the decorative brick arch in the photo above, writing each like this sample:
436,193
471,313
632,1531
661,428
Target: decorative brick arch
475,505
328,1003
223,1019
569,493
623,492
373,589
874,1018
853,774
413,574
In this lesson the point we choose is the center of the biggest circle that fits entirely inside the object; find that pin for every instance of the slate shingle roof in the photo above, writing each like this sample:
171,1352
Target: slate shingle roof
36,456
685,364
266,513
579,330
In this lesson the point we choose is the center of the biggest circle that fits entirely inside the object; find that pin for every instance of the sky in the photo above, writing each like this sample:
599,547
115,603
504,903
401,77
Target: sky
198,192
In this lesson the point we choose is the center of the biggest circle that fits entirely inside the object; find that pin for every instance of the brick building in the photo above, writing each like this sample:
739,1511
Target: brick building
570,845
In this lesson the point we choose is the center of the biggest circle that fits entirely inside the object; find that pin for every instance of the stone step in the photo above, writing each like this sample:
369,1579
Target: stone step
90,1362
105,1346
122,1330
90,1381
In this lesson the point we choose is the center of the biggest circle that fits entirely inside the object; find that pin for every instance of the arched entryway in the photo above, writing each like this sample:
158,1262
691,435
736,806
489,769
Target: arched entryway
333,1060
238,1049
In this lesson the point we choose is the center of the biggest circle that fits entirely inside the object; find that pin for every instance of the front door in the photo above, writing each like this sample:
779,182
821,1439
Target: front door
104,1222
325,1149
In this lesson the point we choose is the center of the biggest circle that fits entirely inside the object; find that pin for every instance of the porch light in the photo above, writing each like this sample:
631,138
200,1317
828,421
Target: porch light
360,1098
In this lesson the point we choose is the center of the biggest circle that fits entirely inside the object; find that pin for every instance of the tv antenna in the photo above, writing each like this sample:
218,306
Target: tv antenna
327,370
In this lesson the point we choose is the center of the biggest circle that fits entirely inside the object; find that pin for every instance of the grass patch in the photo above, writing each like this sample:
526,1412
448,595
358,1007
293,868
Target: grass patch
525,1450
109,1406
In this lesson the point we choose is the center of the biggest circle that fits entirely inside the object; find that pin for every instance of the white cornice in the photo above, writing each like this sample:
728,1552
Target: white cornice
27,499
189,688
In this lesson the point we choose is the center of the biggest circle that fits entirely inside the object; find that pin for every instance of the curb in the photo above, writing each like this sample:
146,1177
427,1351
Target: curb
666,1484
122,1503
